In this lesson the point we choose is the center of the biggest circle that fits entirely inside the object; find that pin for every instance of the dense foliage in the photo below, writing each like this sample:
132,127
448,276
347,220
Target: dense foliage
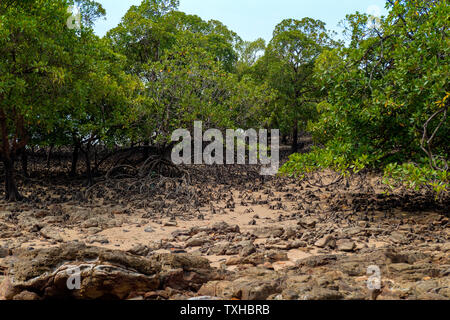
378,101
387,98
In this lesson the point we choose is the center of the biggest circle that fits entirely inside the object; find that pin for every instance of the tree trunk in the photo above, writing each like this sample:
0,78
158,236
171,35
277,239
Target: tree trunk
75,154
49,157
295,137
11,191
8,154
87,155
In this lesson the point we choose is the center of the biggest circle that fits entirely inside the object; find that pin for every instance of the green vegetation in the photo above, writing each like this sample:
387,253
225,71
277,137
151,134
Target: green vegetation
379,101
387,98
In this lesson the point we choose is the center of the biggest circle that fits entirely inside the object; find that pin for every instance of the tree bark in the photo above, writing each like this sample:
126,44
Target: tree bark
49,156
295,137
75,155
11,191
90,180
9,152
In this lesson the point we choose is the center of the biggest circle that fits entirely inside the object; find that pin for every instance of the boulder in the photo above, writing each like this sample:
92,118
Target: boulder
76,271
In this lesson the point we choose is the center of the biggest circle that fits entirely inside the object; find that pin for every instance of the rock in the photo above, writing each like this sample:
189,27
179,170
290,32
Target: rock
103,273
8,290
219,249
97,239
297,244
446,247
323,294
353,268
327,241
225,228
445,292
317,261
423,287
253,284
90,223
196,242
4,215
94,230
140,250
258,258
289,233
221,289
149,230
256,290
430,296
157,295
50,233
79,215
308,223
27,296
408,257
4,252
400,267
351,232
171,224
247,250
398,237
268,232
346,246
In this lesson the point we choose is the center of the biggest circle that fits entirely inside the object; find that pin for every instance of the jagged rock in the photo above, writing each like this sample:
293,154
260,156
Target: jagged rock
327,241
4,252
248,250
308,223
225,228
50,233
140,250
323,294
317,261
219,249
102,273
290,233
218,228
259,258
196,242
26,296
346,245
222,289
170,224
398,237
97,239
90,223
297,244
268,232
254,284
351,232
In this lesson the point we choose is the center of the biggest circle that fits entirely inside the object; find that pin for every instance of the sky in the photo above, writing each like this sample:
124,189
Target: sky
253,19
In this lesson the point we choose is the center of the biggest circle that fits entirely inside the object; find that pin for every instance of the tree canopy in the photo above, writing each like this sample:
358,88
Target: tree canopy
377,101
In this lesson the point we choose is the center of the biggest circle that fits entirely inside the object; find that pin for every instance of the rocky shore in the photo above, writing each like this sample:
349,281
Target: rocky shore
279,239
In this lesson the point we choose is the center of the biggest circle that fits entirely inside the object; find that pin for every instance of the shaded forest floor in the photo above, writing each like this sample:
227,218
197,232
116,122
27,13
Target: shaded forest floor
222,232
